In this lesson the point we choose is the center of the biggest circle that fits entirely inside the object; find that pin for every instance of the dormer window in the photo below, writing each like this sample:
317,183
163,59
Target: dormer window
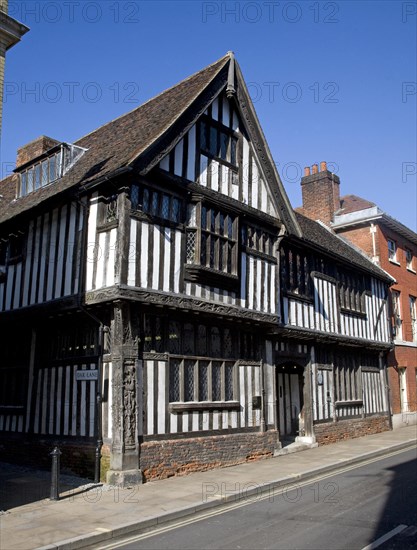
40,174
48,168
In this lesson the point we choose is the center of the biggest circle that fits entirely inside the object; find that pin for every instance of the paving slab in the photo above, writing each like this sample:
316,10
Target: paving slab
91,514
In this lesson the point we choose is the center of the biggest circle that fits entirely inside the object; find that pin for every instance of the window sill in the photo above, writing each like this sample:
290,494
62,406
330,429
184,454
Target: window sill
12,409
15,259
207,276
405,343
353,313
394,262
204,406
259,254
353,402
300,297
151,218
107,226
411,270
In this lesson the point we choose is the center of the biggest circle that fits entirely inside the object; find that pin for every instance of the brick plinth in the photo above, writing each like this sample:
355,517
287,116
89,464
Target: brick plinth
332,432
162,459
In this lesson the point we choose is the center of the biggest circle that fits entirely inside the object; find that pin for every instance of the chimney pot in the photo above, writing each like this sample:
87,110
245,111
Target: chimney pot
323,166
315,169
307,171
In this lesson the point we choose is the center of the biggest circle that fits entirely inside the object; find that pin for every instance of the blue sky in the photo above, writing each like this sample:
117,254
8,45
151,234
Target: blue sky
332,81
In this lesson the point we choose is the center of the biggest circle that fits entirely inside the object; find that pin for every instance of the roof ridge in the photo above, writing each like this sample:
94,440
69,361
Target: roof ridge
358,256
153,98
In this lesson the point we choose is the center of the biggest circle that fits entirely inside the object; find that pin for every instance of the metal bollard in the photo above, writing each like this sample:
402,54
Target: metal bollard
56,453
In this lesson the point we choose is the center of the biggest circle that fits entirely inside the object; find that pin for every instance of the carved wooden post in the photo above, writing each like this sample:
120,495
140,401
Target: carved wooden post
124,458
308,403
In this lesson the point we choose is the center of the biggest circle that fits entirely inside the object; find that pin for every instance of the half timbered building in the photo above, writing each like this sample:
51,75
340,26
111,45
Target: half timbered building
159,295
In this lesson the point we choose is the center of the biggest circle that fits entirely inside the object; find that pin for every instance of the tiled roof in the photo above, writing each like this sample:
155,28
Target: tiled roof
353,203
116,144
318,235
7,190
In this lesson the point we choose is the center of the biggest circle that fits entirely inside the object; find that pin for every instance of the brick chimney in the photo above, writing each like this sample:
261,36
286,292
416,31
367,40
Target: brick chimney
321,193
34,149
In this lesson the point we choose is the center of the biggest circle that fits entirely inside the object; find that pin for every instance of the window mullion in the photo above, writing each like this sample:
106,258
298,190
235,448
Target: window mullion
223,382
199,233
182,381
210,381
196,381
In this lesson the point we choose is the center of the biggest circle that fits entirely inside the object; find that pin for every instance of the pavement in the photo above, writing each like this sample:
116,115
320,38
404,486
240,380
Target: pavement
88,514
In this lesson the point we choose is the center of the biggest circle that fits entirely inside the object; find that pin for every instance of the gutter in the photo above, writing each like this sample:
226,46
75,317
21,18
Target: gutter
118,172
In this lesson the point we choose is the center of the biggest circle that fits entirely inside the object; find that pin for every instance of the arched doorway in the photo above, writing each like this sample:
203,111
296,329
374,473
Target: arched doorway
290,399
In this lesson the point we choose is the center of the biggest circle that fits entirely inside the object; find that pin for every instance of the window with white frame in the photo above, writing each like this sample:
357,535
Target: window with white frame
396,307
392,250
49,169
409,259
413,317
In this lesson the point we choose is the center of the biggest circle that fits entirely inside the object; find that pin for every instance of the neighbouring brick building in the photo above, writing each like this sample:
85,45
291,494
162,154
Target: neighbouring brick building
11,32
159,295
393,247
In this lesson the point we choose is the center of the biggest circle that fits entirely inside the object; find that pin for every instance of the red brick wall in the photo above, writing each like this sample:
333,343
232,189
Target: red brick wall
332,432
34,149
321,195
406,280
167,458
361,237
403,357
406,284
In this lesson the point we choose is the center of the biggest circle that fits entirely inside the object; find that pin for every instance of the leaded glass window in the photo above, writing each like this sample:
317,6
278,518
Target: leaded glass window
203,368
191,240
215,342
201,380
174,337
216,385
351,289
202,340
189,380
174,382
217,236
228,386
219,141
155,203
189,339
227,343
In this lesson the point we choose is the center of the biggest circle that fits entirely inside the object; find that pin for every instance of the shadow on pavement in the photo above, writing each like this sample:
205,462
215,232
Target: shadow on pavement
21,485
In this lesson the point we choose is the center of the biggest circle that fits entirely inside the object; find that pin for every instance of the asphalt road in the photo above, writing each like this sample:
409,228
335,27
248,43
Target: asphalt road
355,509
